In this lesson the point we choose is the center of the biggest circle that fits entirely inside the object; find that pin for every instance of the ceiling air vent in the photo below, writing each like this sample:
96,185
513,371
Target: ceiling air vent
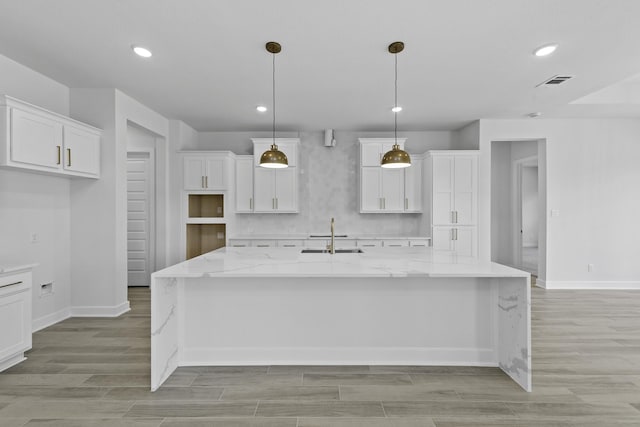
556,80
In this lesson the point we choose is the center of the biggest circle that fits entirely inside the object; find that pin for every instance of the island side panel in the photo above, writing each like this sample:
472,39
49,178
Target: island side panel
335,320
514,323
164,329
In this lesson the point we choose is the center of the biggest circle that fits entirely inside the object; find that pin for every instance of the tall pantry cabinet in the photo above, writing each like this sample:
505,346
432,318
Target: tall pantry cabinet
454,200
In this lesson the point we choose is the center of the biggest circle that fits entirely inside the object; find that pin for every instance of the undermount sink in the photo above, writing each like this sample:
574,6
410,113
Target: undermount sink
327,251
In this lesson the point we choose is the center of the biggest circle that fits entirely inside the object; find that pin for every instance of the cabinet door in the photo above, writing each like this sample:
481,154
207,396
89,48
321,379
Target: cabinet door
81,151
442,195
392,190
286,190
216,176
15,315
465,242
370,189
370,154
264,189
194,172
442,238
35,140
465,189
244,185
413,187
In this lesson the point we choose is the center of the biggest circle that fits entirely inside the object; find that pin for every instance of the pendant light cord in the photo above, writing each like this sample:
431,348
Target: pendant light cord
274,98
395,113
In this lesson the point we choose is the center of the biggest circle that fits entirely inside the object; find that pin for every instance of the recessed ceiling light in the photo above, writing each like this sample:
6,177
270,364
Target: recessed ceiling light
261,109
396,109
545,50
141,51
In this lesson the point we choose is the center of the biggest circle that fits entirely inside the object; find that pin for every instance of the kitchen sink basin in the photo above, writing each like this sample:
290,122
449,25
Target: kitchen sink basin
326,251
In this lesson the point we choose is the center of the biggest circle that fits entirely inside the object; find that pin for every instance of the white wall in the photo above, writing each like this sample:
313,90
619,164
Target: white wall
33,203
328,184
592,180
99,233
501,204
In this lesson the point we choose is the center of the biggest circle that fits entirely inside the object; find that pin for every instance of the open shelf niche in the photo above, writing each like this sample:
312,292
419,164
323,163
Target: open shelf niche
203,238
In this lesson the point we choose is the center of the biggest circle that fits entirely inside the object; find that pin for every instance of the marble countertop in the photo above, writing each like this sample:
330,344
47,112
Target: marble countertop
374,262
324,236
15,268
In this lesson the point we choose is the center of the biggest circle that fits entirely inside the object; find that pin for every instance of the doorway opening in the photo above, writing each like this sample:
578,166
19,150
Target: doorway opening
518,205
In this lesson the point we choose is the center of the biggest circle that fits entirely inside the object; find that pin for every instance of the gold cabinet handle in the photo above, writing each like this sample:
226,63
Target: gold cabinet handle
202,181
206,182
59,154
406,203
456,216
250,202
276,203
68,156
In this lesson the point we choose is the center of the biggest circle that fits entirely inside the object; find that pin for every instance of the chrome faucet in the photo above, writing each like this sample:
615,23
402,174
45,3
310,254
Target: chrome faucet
332,246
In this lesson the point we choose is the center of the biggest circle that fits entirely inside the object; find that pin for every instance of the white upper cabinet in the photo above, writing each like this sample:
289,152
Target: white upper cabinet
413,185
36,139
81,150
454,187
206,170
388,190
275,190
244,183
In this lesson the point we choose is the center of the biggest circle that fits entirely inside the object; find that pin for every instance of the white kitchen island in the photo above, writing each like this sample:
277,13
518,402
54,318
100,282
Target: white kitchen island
386,306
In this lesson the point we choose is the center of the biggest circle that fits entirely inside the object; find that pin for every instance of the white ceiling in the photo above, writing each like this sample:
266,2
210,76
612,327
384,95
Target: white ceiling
464,59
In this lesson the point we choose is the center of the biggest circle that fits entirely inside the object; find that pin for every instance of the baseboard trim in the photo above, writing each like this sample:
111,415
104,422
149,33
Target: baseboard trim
100,311
50,319
337,356
587,285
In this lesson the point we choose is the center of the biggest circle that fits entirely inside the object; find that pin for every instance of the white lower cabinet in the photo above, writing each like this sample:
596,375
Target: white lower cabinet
461,240
15,317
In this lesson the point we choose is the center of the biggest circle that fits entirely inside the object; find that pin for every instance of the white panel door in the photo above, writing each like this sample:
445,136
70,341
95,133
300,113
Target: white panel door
286,189
81,151
264,189
244,184
370,189
465,183
194,172
442,169
35,140
392,189
140,245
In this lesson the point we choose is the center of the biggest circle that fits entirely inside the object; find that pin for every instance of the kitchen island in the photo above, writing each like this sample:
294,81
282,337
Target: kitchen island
386,306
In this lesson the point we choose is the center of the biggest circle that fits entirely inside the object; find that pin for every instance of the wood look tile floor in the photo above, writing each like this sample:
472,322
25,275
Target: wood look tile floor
87,372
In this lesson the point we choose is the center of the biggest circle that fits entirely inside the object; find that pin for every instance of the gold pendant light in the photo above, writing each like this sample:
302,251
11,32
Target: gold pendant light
396,158
274,158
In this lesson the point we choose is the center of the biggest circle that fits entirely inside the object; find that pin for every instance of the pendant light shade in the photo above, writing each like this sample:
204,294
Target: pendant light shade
274,158
396,157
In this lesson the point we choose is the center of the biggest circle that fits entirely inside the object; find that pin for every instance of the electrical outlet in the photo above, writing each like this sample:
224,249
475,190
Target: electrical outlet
590,268
34,238
555,213
46,289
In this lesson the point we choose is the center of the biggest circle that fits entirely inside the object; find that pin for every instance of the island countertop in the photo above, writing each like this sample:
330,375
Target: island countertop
255,262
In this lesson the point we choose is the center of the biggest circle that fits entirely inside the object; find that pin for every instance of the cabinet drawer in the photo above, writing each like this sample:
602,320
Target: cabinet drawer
291,243
419,243
396,243
346,243
239,243
369,243
263,243
315,243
